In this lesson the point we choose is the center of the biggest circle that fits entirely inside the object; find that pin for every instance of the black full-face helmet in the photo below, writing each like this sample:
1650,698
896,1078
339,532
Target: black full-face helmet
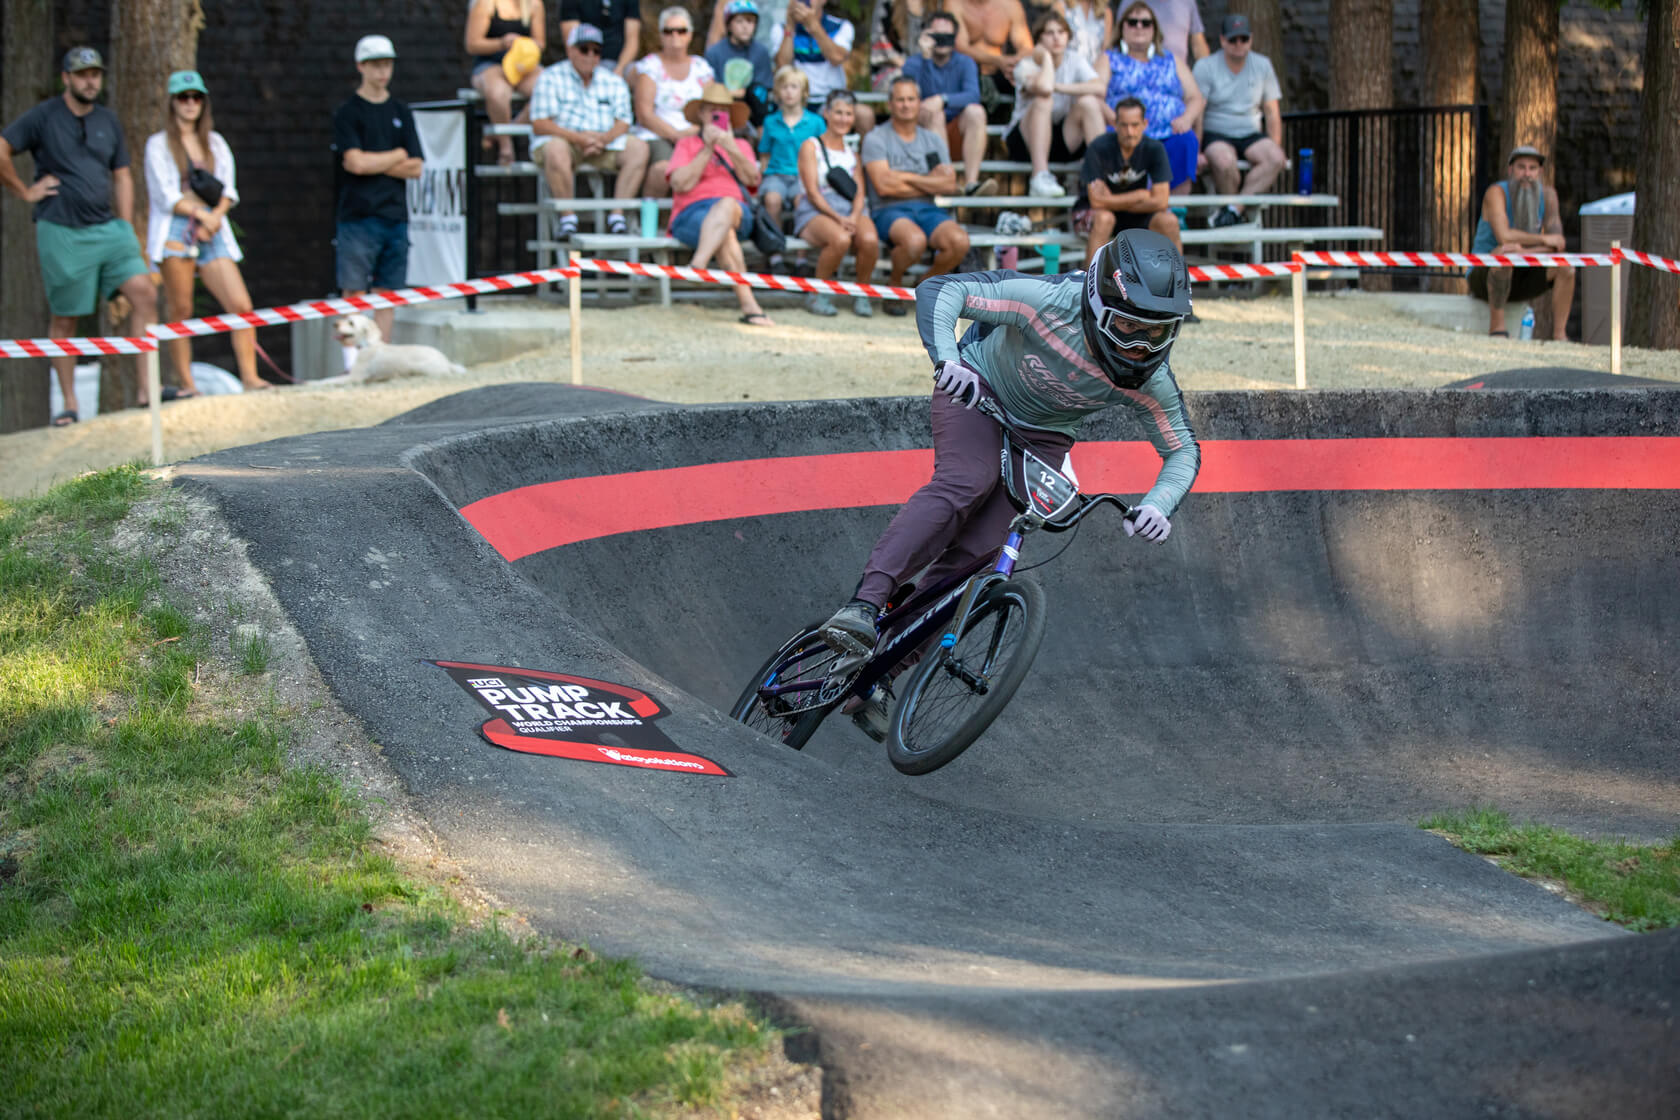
1137,294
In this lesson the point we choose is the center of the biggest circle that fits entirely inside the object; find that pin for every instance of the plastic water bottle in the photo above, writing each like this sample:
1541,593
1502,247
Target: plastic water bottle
1526,331
1304,171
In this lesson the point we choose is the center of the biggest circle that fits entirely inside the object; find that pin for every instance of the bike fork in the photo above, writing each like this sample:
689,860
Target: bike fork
1002,570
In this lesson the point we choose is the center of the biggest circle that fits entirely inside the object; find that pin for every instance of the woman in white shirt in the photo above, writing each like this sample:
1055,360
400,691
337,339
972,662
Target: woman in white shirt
824,216
1055,86
188,235
661,84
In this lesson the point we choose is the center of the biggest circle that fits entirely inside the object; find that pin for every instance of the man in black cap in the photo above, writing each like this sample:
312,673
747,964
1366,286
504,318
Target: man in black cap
1242,98
83,196
1520,214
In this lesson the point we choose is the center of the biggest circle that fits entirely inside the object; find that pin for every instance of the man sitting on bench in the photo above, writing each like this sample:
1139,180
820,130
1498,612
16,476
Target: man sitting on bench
1123,183
580,113
1242,94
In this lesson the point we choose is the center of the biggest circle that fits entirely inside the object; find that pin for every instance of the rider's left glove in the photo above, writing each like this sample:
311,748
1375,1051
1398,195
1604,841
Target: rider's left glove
1150,523
958,382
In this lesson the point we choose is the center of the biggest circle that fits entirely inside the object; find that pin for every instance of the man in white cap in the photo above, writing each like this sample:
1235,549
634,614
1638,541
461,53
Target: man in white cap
83,199
379,148
580,113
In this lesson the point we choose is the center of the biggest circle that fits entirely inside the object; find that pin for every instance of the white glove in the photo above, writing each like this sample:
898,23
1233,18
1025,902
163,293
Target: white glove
1150,523
958,382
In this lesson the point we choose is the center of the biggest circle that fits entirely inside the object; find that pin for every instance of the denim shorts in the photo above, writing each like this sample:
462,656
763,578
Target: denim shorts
372,253
785,185
180,232
685,227
925,214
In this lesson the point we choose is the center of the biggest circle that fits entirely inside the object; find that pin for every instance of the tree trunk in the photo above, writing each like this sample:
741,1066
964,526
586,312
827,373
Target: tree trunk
1451,38
1530,78
1362,62
149,40
25,79
1265,22
1653,309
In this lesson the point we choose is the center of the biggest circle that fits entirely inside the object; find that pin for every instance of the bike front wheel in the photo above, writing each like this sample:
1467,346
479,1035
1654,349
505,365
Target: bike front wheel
789,717
956,693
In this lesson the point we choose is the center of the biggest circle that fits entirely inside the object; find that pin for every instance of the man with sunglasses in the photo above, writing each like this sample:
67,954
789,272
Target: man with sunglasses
1242,93
1050,350
580,114
83,199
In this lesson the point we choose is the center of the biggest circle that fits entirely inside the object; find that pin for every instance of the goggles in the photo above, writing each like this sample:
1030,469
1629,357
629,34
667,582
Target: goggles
1127,332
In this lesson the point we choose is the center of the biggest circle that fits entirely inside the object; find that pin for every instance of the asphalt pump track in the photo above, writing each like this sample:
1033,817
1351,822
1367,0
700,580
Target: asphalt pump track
1182,875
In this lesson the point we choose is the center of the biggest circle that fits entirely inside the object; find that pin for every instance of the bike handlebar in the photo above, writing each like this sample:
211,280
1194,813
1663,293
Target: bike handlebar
1087,502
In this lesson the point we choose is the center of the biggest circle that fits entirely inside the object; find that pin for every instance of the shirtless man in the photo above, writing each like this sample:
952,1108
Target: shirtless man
994,33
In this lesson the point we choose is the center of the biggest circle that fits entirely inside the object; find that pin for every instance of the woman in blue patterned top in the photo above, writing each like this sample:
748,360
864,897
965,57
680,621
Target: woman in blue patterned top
1140,67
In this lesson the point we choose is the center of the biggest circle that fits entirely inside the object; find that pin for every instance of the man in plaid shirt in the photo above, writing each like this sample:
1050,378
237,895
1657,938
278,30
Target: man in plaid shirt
580,113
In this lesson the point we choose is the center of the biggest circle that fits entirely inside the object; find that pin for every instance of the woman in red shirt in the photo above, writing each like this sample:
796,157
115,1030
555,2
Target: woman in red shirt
708,206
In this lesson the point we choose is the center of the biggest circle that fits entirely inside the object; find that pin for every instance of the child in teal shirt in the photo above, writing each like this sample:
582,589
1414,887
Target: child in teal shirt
779,144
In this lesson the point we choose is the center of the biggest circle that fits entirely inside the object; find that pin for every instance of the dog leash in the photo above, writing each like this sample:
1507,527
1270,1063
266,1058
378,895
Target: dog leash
286,377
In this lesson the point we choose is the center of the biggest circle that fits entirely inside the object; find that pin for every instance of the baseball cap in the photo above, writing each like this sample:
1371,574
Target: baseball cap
1234,24
184,80
1528,150
740,8
82,58
371,47
584,33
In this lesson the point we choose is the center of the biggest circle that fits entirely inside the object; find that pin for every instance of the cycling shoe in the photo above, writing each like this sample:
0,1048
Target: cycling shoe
852,629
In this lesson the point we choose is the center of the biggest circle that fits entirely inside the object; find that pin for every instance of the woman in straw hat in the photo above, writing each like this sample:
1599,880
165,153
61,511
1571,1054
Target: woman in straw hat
709,208
506,39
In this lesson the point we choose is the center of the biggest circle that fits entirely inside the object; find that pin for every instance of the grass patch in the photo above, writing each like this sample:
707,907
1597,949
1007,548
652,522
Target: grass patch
190,927
1633,885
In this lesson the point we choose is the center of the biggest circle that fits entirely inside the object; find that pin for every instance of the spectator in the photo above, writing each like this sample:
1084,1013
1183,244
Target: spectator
374,135
708,208
784,131
740,61
1520,214
995,34
771,15
826,217
1092,24
665,82
904,166
1241,89
950,87
501,64
188,234
620,24
1183,34
1123,183
580,113
83,199
1055,86
1140,67
818,43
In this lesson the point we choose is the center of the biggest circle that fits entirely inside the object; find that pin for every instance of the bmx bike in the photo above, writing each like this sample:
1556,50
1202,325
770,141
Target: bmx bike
965,645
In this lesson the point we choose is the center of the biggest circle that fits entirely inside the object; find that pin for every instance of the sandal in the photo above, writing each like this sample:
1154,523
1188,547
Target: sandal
65,418
757,319
1499,334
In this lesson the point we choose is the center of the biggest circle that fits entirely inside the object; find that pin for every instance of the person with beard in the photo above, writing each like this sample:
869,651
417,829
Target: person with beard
1520,214
83,195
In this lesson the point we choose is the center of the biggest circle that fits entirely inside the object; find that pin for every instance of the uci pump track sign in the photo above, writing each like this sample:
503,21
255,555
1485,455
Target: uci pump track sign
1181,874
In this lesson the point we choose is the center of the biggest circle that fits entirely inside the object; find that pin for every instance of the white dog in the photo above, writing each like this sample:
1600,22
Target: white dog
378,360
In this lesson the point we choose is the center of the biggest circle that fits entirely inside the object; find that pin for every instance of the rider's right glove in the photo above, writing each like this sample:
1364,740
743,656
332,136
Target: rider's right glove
958,382
1150,523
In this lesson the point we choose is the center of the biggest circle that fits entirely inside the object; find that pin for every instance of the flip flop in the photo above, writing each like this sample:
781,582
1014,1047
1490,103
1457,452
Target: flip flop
65,418
749,320
171,393
1499,334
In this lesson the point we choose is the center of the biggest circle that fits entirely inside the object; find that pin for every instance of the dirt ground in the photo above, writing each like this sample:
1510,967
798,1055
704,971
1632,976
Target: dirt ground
695,352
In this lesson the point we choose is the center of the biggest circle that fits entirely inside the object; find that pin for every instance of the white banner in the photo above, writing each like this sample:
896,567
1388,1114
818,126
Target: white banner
437,201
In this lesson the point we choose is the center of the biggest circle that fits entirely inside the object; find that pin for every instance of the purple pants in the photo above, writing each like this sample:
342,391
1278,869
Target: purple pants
963,512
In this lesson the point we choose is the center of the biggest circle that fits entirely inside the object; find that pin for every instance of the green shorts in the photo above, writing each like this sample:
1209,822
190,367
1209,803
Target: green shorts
80,265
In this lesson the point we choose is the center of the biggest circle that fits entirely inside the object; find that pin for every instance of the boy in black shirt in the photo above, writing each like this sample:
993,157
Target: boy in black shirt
378,148
1123,183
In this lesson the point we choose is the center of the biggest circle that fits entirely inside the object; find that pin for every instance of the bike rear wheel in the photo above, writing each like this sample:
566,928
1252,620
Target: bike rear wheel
791,720
955,694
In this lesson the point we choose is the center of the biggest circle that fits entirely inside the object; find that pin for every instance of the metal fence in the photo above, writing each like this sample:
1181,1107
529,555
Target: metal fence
1416,173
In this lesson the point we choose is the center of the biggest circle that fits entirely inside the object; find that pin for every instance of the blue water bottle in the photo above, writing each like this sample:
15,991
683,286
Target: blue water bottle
1304,171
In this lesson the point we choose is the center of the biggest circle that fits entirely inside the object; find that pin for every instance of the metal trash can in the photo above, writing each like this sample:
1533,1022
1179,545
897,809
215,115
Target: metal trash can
315,349
1606,220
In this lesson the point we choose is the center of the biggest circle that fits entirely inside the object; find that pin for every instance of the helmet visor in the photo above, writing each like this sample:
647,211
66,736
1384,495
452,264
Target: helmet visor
1128,332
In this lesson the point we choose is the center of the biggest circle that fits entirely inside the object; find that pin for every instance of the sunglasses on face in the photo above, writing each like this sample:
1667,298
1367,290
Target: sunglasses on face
588,48
189,96
675,31
1237,39
1139,22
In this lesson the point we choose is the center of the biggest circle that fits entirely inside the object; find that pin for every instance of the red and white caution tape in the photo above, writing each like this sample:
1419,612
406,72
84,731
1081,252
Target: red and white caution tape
1243,271
1455,260
1649,260
348,305
754,279
73,347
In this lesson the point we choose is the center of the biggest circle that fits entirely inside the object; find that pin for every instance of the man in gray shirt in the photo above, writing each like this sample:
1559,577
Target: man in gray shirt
83,195
904,166
1242,96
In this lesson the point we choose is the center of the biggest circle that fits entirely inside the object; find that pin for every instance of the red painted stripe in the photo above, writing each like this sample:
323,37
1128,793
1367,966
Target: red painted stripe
531,519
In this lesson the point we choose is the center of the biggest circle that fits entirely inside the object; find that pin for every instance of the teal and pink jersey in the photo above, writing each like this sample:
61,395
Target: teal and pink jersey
1028,343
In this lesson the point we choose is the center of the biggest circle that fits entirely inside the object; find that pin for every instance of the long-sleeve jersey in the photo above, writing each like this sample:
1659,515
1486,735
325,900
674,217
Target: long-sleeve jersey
1027,342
